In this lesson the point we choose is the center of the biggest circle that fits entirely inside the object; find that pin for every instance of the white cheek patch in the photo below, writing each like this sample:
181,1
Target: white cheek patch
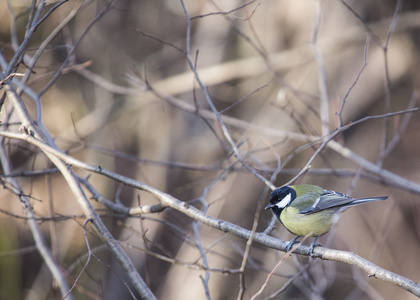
283,203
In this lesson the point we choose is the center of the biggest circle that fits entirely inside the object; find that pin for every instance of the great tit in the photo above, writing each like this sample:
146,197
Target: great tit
310,210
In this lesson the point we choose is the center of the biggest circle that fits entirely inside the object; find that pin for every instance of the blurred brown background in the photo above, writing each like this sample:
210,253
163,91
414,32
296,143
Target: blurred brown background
258,62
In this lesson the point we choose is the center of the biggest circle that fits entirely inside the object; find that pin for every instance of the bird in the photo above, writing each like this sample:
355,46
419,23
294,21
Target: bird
309,210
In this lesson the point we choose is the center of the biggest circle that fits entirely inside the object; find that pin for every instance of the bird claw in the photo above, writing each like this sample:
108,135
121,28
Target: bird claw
311,248
291,243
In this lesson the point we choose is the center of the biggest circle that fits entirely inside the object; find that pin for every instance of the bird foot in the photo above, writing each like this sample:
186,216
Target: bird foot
311,248
291,243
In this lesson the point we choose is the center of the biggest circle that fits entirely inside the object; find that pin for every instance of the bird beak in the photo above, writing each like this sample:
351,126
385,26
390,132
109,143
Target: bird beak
269,206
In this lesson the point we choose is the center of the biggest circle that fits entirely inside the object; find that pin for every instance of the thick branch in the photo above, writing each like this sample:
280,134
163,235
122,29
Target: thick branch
190,211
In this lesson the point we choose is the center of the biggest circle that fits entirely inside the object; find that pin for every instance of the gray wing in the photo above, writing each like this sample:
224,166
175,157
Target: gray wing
330,200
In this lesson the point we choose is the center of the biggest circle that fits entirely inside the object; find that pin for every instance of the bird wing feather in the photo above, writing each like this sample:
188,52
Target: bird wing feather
334,200
328,200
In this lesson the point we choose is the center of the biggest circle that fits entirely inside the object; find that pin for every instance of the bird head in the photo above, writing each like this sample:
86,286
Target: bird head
280,198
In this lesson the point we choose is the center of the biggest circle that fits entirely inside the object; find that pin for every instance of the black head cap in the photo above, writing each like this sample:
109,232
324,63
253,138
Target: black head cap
280,198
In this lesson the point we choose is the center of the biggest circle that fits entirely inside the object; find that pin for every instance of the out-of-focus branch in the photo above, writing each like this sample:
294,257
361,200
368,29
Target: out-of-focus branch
219,118
254,228
322,77
190,211
40,242
387,98
403,126
38,131
231,70
385,175
73,49
343,103
47,41
81,198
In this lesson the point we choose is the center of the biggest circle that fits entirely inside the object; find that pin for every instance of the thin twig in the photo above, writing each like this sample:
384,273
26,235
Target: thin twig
89,256
367,27
206,278
322,77
242,99
387,100
211,104
224,226
278,266
229,12
39,239
76,44
403,126
254,228
74,184
343,103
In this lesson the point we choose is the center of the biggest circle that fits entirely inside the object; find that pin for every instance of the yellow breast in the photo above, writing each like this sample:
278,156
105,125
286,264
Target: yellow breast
317,223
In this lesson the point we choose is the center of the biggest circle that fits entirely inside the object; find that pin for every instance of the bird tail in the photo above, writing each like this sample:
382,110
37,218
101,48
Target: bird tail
366,200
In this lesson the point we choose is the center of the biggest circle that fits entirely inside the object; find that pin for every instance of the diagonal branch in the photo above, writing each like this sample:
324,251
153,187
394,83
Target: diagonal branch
219,118
224,226
81,198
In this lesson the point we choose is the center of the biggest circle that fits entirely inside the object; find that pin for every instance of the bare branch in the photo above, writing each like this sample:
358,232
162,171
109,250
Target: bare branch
322,77
224,226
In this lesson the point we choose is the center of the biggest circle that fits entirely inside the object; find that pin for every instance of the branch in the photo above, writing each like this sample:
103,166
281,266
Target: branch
219,118
80,196
385,175
387,98
40,242
322,77
224,226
